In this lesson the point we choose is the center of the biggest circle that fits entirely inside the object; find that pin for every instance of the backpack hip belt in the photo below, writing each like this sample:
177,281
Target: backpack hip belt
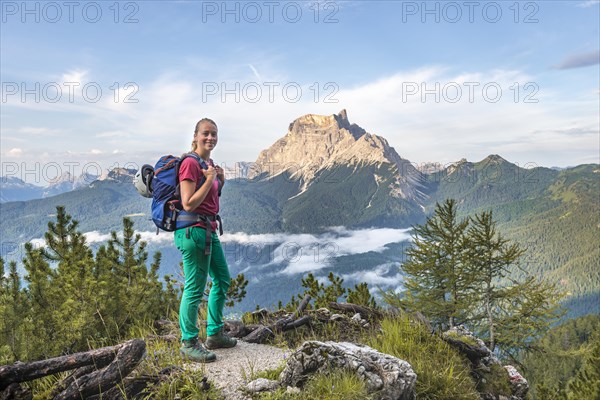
207,219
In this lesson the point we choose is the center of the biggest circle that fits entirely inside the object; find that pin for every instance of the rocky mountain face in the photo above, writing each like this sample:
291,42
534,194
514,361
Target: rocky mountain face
318,144
67,182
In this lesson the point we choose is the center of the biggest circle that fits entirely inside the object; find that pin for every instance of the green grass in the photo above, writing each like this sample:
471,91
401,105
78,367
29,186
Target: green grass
272,374
496,381
181,384
462,338
442,374
336,385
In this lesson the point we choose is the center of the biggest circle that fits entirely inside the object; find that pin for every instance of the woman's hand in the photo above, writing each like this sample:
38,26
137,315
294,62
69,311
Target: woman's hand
192,198
210,173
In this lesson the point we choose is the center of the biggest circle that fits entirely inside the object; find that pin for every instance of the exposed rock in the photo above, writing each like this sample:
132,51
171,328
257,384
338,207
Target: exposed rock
323,311
337,317
484,361
386,376
262,385
518,384
356,317
292,390
467,343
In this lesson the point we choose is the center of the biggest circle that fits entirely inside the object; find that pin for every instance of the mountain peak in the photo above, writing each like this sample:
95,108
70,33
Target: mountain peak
64,177
494,158
315,143
312,141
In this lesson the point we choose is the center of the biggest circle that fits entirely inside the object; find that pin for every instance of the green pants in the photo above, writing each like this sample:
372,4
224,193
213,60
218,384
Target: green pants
196,267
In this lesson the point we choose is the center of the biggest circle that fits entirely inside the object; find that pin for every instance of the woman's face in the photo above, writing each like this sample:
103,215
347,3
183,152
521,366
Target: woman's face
206,137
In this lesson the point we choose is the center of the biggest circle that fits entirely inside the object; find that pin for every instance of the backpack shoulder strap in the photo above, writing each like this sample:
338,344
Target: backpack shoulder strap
183,157
194,155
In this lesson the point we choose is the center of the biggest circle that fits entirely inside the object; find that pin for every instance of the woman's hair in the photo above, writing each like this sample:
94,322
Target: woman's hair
194,145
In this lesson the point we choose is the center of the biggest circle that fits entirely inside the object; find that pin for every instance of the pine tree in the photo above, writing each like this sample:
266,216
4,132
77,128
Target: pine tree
43,341
322,295
360,295
135,291
490,255
525,313
586,384
73,288
14,308
438,282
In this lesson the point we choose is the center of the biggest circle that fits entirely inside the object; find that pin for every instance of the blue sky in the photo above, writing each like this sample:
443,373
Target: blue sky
426,76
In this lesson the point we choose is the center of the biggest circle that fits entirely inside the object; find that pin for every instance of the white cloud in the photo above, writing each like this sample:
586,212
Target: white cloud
38,131
255,72
38,243
96,237
304,253
420,128
16,151
378,276
96,151
588,3
79,76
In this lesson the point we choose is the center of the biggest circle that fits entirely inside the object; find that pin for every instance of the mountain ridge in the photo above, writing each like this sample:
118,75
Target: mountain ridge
553,213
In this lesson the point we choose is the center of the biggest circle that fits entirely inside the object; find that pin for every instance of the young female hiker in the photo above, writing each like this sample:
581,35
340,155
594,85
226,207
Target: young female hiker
201,249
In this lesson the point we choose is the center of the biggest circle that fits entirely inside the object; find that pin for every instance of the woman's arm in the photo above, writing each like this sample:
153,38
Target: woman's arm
192,198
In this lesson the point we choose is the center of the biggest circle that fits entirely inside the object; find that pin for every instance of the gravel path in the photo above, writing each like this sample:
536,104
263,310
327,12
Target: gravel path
234,367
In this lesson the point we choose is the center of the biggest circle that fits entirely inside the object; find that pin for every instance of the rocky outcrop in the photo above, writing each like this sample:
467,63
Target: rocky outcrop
262,385
486,366
518,384
317,143
471,346
387,377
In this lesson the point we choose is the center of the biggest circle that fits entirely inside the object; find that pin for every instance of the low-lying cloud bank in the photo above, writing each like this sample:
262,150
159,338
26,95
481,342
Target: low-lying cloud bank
292,253
300,253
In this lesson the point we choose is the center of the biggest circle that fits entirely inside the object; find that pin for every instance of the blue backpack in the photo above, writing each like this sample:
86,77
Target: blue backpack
167,211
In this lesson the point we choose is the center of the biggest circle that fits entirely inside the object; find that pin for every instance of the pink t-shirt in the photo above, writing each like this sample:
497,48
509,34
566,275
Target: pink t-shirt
191,170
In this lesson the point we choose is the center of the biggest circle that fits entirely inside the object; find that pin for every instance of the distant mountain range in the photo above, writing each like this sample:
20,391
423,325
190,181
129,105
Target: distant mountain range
327,172
15,189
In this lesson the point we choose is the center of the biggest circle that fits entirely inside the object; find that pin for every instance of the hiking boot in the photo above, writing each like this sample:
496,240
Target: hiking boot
194,350
220,340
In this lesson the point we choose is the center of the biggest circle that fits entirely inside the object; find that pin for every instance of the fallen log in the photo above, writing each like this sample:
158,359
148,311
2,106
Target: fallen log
259,335
126,359
238,329
264,333
302,306
136,387
297,323
62,385
14,391
23,372
365,312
